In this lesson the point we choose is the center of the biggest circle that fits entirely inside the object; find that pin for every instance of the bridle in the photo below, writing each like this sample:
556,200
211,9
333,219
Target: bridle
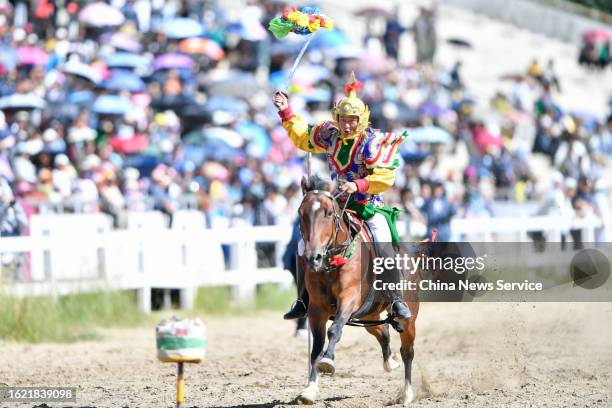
330,249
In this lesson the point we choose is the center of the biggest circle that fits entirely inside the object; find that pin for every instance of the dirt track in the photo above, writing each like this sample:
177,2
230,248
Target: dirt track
466,355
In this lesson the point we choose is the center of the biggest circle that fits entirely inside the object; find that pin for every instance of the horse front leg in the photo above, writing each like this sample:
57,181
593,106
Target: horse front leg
317,320
334,333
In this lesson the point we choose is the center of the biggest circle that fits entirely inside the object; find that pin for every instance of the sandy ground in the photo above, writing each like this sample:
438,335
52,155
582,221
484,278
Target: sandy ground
554,355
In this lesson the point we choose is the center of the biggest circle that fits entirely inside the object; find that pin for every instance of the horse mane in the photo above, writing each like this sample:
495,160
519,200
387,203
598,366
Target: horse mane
315,182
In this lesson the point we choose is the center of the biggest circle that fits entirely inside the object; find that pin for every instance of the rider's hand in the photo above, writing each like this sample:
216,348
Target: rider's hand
349,187
280,100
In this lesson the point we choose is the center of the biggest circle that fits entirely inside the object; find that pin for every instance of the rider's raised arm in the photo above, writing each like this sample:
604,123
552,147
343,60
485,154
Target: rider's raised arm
308,138
380,156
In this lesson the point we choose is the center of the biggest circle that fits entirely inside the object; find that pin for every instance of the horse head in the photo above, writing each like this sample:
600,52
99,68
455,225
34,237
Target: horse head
319,219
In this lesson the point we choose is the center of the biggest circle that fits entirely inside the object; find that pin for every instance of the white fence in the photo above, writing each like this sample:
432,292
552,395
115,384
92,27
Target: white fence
72,253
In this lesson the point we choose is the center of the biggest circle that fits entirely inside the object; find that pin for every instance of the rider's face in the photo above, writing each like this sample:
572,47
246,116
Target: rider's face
348,124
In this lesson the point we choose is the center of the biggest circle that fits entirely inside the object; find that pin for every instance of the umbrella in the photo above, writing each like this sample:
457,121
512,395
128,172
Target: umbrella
226,104
64,110
289,46
347,51
112,105
134,144
459,42
9,57
249,29
172,102
374,12
31,56
258,141
84,98
122,41
173,60
193,114
429,134
598,35
311,73
329,39
100,14
182,28
74,67
318,95
126,60
6,8
213,149
374,64
201,137
202,46
123,80
238,85
394,110
145,163
22,101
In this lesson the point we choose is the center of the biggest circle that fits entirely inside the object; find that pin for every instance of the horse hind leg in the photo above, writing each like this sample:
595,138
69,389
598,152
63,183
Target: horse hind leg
317,323
406,393
381,333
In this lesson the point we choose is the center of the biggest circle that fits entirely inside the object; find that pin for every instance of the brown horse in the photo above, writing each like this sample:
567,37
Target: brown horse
324,229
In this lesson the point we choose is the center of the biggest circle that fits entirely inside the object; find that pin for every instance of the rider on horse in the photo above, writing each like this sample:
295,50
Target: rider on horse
362,160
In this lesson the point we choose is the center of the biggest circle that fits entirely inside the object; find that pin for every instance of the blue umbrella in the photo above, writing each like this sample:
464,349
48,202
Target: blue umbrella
213,149
258,141
286,47
145,163
329,39
123,80
112,105
429,134
81,97
318,95
183,28
126,60
227,104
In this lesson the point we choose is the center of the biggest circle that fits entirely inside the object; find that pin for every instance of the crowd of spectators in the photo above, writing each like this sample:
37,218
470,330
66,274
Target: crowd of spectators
125,112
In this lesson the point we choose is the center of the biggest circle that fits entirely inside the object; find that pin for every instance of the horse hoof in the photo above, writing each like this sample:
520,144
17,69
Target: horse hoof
308,396
390,365
404,397
304,400
326,366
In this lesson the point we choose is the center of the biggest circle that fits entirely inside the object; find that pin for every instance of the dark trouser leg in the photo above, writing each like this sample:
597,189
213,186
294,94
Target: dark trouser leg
393,277
300,307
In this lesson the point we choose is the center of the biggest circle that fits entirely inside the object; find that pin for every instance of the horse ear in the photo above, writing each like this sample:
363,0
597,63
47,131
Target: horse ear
304,184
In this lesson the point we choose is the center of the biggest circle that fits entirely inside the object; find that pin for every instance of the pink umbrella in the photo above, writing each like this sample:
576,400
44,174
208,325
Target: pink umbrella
173,61
374,64
593,36
100,14
31,56
123,41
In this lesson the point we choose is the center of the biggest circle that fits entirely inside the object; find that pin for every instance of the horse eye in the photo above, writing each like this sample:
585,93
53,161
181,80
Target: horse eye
328,212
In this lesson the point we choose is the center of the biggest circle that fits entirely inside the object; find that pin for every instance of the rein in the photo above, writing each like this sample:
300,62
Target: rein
332,248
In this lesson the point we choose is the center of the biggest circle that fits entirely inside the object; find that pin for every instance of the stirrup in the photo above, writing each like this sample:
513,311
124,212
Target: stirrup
298,310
